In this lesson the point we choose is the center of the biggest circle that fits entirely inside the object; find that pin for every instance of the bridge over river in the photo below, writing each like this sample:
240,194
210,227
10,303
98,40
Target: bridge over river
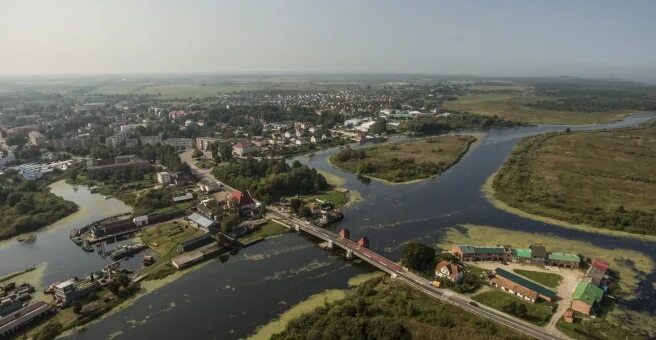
400,273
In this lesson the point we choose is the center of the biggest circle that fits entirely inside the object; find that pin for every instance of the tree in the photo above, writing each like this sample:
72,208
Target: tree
49,331
77,307
225,152
378,128
418,256
295,204
197,154
305,212
228,222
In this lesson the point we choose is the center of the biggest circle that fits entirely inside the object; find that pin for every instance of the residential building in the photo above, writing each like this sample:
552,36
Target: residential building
597,273
201,222
586,296
476,253
129,127
150,140
183,198
36,138
245,148
180,143
128,161
243,201
194,243
520,286
61,144
450,271
164,178
563,260
538,254
115,141
522,255
208,185
178,114
204,143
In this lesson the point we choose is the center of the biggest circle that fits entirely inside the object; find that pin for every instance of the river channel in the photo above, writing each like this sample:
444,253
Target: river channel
229,298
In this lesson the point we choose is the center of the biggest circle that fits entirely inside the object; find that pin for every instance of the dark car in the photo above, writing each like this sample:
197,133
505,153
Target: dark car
473,303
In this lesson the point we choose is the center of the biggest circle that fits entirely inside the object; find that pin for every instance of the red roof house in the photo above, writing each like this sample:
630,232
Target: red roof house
243,200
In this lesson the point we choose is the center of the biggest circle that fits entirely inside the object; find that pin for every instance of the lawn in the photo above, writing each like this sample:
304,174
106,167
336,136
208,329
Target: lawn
546,279
163,240
514,107
337,197
537,313
267,230
603,179
406,160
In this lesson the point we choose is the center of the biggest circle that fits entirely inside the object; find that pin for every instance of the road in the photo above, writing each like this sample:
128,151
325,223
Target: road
393,268
413,280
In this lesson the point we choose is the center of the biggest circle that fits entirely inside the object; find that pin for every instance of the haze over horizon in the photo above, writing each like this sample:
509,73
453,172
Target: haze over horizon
501,38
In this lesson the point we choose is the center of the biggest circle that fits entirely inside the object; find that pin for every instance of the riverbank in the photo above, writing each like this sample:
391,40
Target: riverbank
604,179
489,193
407,314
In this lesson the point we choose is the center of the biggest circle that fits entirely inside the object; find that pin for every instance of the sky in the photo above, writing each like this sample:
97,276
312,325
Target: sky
488,38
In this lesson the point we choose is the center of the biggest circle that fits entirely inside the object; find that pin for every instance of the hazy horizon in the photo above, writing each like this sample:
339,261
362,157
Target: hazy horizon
476,38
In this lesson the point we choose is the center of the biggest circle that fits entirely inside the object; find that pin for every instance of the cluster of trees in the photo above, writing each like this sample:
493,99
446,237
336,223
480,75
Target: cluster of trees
419,257
299,208
119,175
347,154
27,205
383,309
269,180
517,309
463,120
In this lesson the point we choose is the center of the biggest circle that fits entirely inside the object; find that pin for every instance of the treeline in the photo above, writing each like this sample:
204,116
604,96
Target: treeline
586,95
27,205
269,180
241,114
435,125
383,309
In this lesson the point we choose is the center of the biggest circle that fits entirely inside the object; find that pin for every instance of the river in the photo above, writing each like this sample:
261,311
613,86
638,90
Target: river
228,298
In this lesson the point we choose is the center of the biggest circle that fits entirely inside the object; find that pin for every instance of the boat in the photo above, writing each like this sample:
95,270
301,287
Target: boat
126,250
108,197
88,248
77,240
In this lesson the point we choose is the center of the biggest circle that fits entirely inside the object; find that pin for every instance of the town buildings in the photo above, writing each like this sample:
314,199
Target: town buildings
36,138
244,148
194,243
450,271
180,143
204,143
586,296
164,178
203,223
597,273
520,286
128,161
476,253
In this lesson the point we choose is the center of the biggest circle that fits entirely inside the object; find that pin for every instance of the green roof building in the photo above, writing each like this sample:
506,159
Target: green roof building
585,296
564,260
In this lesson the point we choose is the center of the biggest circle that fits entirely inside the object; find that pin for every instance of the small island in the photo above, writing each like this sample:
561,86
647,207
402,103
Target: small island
405,161
602,179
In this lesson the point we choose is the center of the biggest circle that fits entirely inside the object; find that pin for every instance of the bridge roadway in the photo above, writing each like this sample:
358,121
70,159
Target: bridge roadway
413,280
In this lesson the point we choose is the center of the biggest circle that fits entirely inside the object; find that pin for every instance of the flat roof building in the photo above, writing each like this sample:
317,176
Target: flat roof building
521,286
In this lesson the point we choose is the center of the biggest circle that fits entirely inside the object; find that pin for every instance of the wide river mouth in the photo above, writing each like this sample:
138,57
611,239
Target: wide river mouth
229,298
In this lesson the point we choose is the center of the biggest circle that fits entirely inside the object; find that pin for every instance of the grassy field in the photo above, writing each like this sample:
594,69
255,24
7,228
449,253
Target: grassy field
621,260
267,230
407,160
514,107
163,239
547,279
604,179
386,309
537,313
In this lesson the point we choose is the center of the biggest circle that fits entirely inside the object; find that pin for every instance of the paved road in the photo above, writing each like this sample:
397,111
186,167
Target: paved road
414,280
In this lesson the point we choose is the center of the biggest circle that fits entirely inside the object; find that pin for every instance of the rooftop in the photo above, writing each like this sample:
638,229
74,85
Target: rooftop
467,249
521,252
556,256
524,282
588,293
